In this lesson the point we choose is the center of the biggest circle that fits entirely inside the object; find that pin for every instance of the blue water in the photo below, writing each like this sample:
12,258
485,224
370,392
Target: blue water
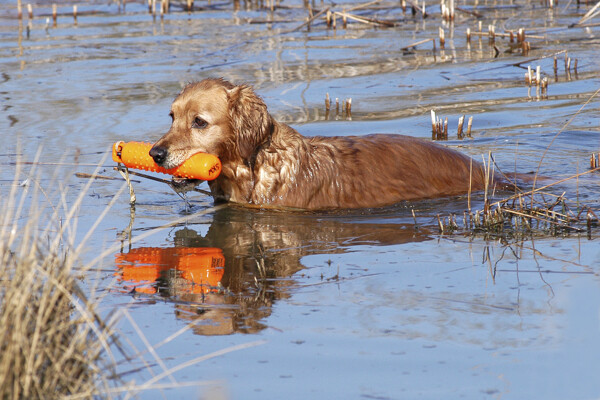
358,304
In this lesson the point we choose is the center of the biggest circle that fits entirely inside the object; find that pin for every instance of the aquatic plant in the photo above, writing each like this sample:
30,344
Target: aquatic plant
52,340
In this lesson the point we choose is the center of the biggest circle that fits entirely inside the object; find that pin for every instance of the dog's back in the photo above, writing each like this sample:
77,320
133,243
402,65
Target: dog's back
369,171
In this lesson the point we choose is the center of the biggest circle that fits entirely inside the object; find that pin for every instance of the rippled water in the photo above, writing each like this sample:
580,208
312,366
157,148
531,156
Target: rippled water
351,304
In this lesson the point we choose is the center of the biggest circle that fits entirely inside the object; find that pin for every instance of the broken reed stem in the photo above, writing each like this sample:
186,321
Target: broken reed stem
419,43
469,124
594,159
520,34
448,10
349,108
461,121
152,178
439,127
361,19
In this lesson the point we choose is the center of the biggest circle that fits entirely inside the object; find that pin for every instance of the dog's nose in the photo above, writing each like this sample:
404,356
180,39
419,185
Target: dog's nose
159,154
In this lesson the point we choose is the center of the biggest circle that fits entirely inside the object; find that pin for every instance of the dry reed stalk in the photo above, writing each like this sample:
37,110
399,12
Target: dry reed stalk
124,171
19,10
442,38
30,11
361,19
470,184
592,96
75,14
461,122
492,33
310,20
419,43
594,161
54,13
51,338
364,5
469,125
594,11
349,108
416,8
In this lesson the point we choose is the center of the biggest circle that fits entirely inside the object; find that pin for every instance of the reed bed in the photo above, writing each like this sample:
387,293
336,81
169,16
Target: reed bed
53,343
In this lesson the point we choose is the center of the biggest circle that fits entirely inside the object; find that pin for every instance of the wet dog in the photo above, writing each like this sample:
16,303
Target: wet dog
268,163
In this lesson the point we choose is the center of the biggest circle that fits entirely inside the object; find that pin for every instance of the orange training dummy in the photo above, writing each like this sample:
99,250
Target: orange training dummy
135,155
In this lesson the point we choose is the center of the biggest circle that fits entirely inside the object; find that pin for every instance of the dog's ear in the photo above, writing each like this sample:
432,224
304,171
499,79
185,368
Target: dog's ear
250,120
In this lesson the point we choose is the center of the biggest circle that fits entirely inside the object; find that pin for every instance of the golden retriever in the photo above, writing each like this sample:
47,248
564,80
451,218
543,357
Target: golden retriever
267,163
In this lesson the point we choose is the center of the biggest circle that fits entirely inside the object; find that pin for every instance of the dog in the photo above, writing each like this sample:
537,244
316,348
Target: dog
269,164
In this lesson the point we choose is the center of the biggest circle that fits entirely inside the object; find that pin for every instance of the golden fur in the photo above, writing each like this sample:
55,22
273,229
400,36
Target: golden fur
268,163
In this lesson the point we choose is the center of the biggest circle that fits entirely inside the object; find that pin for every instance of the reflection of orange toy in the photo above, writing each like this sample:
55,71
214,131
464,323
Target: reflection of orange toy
135,155
202,266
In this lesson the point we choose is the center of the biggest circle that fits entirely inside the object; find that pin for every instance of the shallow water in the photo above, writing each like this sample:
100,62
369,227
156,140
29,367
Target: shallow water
344,304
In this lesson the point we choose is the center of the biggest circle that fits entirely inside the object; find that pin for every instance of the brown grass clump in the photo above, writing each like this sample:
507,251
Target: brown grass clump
51,339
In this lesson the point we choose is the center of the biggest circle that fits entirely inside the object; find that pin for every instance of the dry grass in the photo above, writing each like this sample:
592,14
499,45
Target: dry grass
51,338
53,342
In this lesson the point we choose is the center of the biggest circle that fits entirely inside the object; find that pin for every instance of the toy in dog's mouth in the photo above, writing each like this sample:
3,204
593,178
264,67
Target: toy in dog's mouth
200,166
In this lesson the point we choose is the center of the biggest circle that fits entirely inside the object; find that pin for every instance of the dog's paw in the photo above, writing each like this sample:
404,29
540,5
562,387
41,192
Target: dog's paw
183,185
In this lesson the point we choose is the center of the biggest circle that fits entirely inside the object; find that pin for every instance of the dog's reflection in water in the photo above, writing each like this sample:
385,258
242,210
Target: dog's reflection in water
227,280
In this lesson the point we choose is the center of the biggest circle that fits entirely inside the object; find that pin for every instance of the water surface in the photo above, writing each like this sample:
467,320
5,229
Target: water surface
357,304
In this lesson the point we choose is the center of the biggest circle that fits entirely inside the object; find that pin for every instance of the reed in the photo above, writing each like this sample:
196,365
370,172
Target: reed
53,343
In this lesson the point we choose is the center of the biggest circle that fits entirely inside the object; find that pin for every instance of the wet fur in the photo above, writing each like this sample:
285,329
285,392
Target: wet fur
268,163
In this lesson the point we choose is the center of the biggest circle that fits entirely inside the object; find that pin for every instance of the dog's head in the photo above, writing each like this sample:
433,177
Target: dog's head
216,117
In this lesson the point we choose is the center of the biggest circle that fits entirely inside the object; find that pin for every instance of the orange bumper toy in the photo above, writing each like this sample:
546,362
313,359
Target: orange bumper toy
135,155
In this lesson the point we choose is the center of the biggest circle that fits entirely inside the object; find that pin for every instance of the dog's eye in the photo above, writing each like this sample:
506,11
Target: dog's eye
199,123
172,116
